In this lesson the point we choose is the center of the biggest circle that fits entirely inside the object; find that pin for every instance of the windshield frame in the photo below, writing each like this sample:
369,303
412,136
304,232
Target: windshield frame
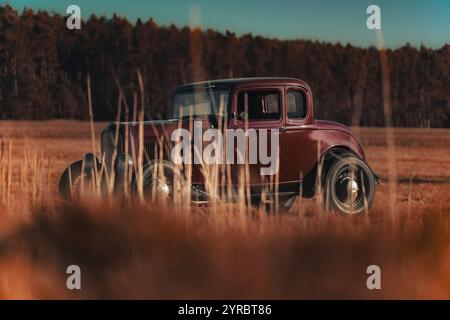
211,92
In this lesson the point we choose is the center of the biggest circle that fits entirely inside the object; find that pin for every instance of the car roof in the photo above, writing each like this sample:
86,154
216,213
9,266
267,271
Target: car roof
232,83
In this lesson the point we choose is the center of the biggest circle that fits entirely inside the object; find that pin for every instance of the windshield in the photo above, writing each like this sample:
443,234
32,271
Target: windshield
201,103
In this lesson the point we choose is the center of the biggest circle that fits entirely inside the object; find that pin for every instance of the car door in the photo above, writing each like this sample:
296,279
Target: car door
299,149
259,114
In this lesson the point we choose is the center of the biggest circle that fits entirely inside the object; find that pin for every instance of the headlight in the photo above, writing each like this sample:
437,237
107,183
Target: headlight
123,161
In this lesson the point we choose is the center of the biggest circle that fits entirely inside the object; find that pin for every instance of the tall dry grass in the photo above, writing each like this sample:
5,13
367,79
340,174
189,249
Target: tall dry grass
129,250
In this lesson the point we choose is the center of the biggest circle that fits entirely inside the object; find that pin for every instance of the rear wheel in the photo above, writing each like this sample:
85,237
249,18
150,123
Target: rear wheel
349,186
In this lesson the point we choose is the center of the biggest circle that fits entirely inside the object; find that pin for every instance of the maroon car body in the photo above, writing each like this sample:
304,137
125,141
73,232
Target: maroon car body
304,141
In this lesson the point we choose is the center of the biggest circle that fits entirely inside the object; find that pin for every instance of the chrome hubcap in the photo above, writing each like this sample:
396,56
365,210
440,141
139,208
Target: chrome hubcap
352,188
158,188
348,190
162,189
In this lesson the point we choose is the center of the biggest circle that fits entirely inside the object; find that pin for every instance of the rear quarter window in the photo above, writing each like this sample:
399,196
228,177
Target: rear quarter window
296,104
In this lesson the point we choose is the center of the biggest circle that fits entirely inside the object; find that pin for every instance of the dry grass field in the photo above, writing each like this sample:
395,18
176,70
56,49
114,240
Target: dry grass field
127,251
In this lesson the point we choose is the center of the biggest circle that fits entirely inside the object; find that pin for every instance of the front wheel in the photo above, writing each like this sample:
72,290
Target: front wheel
162,182
349,186
75,183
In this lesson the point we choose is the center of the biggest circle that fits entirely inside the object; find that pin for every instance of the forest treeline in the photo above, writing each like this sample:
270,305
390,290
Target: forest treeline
44,67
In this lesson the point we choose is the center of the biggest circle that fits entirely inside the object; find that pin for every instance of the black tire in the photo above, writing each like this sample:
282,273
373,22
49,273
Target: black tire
70,181
349,186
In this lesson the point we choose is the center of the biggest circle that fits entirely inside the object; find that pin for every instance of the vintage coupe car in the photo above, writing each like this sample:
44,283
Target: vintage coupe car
314,156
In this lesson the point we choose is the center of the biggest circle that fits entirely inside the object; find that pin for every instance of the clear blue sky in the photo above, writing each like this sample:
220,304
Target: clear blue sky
403,21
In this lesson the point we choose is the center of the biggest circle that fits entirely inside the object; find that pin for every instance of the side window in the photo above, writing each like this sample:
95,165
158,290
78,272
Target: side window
259,105
296,104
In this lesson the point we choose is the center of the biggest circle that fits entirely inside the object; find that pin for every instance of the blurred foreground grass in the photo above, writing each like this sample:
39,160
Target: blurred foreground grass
128,251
